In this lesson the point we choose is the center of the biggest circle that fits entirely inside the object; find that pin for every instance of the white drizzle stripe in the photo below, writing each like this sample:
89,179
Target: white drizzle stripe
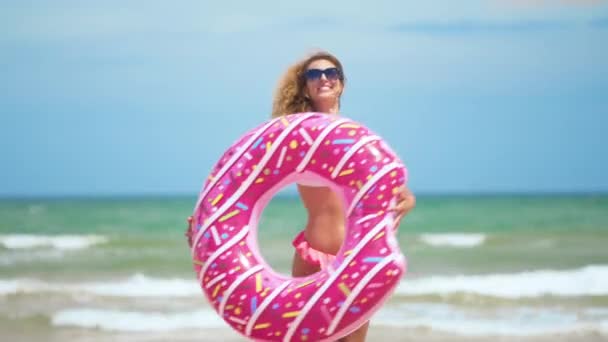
237,282
216,236
318,142
263,306
215,280
386,169
352,151
311,302
234,158
367,218
356,290
247,183
281,157
229,244
305,135
237,320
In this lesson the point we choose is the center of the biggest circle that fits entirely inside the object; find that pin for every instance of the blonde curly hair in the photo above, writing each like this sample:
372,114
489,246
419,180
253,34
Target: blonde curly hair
290,94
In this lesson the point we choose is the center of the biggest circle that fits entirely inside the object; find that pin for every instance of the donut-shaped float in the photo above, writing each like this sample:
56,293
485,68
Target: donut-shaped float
246,292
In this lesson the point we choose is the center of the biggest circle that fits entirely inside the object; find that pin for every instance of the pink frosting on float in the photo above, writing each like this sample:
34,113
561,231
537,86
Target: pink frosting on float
246,292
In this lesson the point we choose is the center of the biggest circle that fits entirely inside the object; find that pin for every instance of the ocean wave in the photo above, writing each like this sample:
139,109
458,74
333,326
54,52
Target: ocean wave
137,285
462,240
136,321
586,281
61,242
520,321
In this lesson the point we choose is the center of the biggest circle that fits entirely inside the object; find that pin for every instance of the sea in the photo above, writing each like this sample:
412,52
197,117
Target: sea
480,267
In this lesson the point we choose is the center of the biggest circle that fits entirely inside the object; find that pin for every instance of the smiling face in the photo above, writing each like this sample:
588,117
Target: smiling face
323,84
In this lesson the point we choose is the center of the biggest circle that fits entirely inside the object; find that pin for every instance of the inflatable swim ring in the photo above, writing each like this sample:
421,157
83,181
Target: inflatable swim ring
244,290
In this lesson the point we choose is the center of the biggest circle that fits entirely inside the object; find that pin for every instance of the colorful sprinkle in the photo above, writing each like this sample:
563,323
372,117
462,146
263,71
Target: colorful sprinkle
258,142
284,121
254,304
373,259
291,314
229,215
261,326
258,282
305,283
216,199
241,205
237,320
344,289
293,144
378,236
259,180
216,290
346,172
343,141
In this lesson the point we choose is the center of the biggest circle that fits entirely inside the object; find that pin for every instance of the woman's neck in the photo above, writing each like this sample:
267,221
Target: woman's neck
329,108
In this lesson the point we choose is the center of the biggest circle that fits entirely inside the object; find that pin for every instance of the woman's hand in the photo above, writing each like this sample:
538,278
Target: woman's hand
189,230
406,201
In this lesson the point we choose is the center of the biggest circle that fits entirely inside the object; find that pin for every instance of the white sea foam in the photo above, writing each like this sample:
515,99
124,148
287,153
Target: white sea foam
136,286
519,321
61,242
586,281
137,321
462,240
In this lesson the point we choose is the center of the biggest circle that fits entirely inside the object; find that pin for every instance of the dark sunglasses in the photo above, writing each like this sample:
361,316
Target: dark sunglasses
331,74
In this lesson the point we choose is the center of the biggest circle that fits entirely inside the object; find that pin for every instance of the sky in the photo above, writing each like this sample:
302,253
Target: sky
142,97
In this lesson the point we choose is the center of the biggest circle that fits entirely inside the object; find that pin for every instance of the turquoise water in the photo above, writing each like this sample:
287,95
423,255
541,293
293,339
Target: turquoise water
67,262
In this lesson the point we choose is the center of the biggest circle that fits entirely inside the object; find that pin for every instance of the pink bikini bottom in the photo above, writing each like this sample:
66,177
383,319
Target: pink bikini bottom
311,255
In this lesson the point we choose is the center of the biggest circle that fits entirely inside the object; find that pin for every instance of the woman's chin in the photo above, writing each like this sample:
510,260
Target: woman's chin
326,97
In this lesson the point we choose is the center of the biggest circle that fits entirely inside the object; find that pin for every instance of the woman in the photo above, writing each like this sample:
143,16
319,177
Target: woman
315,84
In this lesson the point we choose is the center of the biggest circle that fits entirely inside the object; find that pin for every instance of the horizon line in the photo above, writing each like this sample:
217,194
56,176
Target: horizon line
142,195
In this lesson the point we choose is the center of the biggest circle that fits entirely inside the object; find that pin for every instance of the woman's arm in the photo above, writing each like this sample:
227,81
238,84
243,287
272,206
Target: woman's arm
189,231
